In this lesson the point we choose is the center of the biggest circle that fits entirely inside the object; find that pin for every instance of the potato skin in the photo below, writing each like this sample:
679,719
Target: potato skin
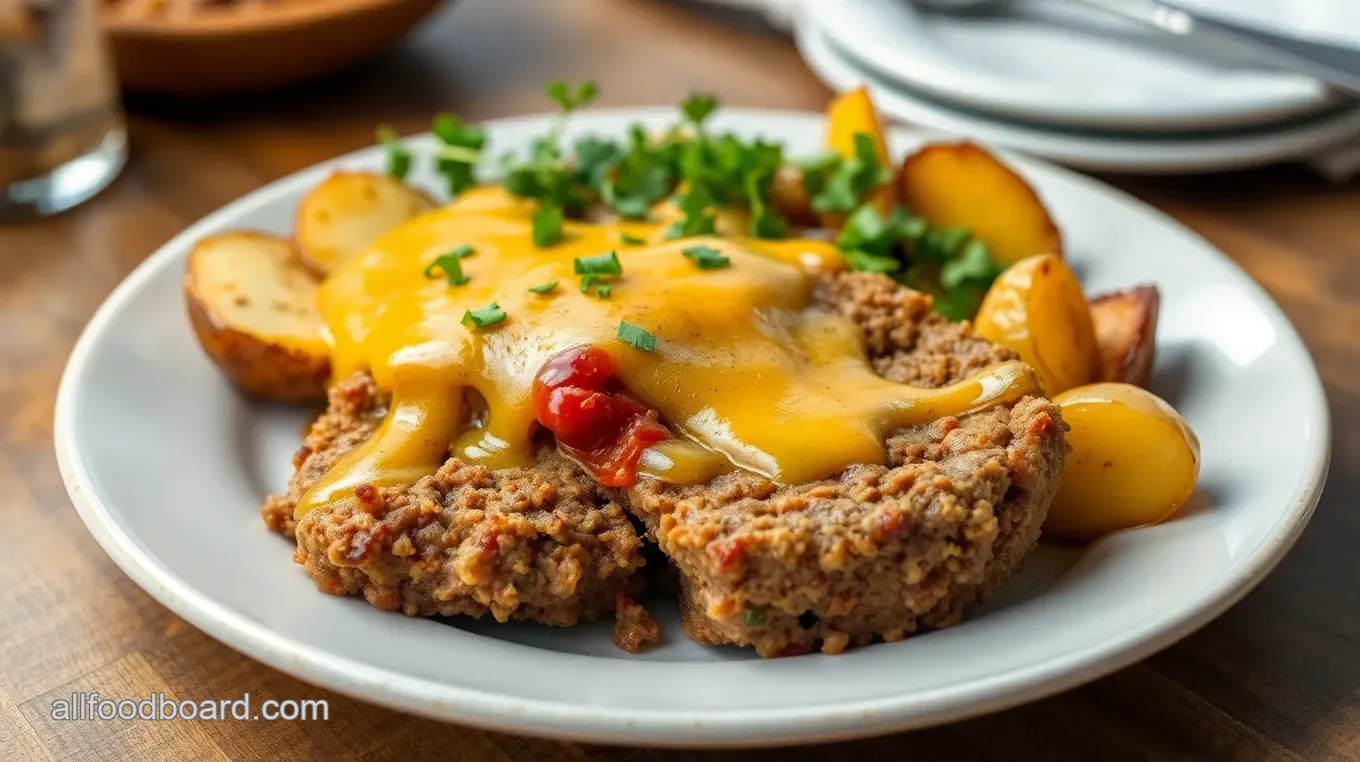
347,199
261,369
1036,308
1133,461
962,185
1126,331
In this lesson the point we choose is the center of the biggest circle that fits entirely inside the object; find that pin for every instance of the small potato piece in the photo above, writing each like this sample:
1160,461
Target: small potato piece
789,197
252,304
1036,308
343,215
1133,462
961,185
1126,331
849,114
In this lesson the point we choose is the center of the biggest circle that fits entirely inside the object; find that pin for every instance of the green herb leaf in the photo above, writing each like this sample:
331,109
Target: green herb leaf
486,316
398,155
636,337
698,107
699,209
871,263
765,221
600,264
941,244
631,240
451,265
974,263
845,184
754,617
544,288
547,226
568,99
459,153
707,257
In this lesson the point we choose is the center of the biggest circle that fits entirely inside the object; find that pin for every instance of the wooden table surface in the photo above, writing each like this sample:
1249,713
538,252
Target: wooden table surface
1278,676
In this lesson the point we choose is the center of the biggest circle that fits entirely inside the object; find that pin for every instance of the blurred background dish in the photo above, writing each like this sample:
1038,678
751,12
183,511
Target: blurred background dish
189,48
1161,153
1083,88
1058,62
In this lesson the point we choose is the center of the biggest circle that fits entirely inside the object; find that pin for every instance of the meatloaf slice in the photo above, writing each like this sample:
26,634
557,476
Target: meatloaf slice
877,551
544,543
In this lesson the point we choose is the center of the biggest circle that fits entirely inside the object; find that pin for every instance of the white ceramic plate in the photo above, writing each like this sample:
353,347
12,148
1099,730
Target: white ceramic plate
167,465
1054,62
1160,154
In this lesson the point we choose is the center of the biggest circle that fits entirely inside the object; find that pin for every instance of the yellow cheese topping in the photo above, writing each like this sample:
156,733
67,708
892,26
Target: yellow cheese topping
747,371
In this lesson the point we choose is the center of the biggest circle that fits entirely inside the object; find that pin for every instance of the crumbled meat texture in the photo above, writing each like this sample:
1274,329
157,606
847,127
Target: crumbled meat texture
634,628
875,552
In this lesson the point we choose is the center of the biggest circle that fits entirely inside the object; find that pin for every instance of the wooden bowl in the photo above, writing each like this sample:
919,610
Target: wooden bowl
240,49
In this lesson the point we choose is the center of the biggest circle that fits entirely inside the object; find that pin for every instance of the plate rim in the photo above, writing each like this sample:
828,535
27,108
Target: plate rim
1154,154
538,717
931,77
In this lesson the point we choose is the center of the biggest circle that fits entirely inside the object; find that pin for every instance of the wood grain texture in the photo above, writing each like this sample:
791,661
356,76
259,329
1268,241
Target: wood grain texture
1277,677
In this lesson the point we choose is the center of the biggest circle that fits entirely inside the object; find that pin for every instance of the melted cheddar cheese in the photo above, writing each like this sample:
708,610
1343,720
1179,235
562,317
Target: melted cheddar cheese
748,371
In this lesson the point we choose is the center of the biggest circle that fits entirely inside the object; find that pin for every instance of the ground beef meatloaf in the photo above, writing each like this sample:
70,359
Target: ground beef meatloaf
877,551
543,543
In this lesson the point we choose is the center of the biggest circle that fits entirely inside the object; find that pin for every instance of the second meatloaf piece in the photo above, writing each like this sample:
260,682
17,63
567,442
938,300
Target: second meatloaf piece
879,550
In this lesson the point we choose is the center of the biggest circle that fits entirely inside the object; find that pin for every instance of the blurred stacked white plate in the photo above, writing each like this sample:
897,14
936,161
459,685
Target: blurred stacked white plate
1076,86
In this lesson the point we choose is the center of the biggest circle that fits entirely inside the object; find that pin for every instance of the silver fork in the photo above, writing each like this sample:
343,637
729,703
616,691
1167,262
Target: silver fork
1337,65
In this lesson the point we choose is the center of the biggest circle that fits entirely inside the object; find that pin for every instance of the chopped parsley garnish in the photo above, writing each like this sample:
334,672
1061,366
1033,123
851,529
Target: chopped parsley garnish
600,264
451,265
704,174
491,314
765,221
707,257
840,185
460,150
547,226
596,271
570,100
699,214
398,155
698,107
754,617
637,337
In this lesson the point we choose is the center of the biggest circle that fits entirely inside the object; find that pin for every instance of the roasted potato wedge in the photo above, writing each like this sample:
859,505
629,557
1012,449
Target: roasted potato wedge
789,197
343,215
1036,308
1126,332
850,114
961,185
1133,461
252,304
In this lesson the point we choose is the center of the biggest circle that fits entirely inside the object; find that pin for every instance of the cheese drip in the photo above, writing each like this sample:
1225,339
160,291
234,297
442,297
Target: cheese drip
746,366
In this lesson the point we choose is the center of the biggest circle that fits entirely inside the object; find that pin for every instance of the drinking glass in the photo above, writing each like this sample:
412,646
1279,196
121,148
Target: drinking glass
61,129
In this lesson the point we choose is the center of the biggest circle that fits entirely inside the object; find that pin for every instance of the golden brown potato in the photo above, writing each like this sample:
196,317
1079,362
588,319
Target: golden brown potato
850,114
789,197
253,305
961,185
1126,331
343,215
1036,308
1134,461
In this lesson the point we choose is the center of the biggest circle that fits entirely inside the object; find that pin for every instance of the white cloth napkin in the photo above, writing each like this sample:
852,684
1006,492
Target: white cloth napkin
1338,163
